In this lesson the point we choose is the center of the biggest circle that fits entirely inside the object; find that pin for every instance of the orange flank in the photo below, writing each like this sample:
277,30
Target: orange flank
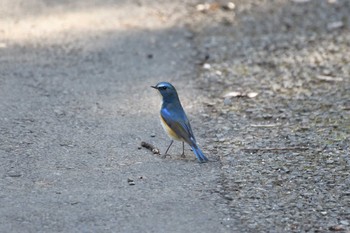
169,131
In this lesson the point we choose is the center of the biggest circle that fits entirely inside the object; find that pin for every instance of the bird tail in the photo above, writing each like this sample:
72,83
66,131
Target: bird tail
199,154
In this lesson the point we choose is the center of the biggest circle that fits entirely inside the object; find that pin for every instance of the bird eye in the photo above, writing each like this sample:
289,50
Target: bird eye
163,88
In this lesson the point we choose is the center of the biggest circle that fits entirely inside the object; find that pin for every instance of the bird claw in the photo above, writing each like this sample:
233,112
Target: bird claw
165,155
183,156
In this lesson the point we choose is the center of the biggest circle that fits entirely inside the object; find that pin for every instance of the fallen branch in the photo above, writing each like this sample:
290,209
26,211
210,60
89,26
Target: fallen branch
150,147
275,149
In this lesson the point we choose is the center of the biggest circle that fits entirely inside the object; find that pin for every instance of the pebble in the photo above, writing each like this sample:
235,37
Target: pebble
206,66
227,101
222,139
344,222
229,6
203,7
59,112
329,161
290,69
131,181
13,174
218,72
335,25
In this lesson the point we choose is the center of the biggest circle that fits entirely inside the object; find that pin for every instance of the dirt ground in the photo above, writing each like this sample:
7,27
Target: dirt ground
276,77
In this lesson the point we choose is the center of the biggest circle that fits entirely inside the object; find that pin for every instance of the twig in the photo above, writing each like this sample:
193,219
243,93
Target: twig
150,147
276,149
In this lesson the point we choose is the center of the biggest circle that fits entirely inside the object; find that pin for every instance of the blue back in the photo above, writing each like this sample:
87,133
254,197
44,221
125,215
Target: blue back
173,113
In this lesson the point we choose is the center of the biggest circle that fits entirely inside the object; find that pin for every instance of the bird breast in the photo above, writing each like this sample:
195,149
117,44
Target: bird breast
171,133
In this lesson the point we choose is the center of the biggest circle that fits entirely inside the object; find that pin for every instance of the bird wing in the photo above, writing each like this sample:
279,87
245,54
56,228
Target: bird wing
177,120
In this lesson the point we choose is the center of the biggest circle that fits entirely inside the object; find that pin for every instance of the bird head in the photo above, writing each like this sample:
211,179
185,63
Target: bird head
166,90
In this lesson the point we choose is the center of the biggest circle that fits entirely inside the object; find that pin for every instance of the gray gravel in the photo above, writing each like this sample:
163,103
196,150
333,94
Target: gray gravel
75,104
284,153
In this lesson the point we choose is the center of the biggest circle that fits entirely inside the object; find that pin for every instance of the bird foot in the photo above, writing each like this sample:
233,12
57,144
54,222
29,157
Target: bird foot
183,156
165,155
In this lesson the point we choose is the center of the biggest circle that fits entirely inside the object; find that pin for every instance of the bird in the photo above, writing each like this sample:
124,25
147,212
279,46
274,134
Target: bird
175,122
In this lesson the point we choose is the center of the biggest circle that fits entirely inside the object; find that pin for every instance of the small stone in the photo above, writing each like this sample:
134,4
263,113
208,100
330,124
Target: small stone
327,72
206,66
131,181
218,72
225,167
14,174
267,116
233,94
335,25
155,151
329,161
252,94
222,139
59,112
153,135
344,222
203,7
230,6
67,144
227,101
225,128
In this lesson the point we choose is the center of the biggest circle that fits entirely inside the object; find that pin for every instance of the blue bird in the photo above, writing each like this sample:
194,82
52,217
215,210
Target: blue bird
174,120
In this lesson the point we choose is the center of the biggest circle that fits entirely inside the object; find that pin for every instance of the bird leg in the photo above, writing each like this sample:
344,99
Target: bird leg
166,152
183,150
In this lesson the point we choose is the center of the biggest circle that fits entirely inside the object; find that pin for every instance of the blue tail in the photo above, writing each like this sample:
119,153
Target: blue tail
199,154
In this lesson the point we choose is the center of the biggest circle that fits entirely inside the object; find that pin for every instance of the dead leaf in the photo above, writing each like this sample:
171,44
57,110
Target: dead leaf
240,94
252,94
233,94
335,25
329,78
336,228
207,6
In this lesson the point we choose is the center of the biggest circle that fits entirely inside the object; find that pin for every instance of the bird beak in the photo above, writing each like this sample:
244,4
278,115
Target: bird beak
154,87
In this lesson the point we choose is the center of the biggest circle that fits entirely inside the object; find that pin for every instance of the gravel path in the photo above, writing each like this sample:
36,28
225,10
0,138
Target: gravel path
75,104
285,152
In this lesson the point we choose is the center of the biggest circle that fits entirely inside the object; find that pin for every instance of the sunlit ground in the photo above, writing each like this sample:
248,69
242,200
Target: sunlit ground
49,23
